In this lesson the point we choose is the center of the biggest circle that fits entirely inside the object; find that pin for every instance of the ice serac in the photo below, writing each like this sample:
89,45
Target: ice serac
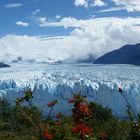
99,86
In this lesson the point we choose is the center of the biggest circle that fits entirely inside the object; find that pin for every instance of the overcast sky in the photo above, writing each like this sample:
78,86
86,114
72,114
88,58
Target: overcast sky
66,29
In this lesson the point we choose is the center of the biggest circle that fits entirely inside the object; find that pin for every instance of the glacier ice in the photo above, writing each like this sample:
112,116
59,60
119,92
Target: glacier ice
98,82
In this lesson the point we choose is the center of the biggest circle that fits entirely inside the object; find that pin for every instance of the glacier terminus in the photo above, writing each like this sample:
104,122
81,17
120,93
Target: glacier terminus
99,83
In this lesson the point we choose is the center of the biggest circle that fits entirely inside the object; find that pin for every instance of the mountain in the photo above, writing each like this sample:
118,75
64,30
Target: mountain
3,65
128,54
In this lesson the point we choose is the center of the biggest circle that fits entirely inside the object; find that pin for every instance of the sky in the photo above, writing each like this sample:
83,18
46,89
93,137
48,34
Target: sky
66,29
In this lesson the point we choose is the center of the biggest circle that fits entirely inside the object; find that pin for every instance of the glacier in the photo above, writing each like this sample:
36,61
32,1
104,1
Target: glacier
99,83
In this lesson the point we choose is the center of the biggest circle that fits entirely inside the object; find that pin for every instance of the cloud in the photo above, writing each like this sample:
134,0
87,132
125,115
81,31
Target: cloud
129,5
83,3
34,47
125,2
73,22
13,5
36,12
127,8
21,23
58,16
89,3
43,21
65,22
99,3
120,8
92,36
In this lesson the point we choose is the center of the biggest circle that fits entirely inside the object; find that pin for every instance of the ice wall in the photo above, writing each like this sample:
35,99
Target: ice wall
61,86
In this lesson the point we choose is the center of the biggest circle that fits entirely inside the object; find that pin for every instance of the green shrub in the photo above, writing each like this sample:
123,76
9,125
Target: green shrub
104,120
28,123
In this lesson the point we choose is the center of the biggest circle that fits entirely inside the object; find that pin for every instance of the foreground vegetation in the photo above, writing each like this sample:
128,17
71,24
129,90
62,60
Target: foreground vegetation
89,121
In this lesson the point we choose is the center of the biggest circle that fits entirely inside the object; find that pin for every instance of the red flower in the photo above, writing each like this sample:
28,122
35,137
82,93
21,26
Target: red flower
82,129
81,110
58,124
84,108
58,116
48,135
71,100
52,103
102,135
